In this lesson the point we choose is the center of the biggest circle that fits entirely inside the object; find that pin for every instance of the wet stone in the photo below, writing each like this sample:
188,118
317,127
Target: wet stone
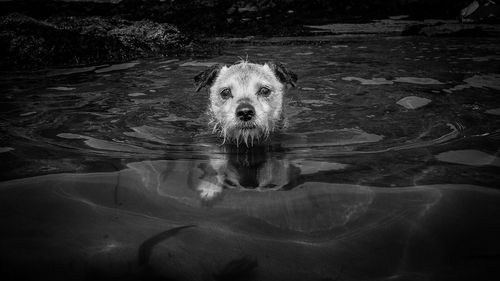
413,102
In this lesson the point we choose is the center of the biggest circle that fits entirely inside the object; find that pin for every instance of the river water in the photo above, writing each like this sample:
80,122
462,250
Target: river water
388,169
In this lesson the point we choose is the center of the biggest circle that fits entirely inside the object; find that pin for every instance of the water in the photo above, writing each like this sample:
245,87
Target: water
388,170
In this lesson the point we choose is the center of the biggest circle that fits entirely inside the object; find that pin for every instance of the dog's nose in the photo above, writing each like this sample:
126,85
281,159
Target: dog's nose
245,111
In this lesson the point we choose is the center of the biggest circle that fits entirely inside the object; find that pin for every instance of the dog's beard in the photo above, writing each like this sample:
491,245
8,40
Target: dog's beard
248,133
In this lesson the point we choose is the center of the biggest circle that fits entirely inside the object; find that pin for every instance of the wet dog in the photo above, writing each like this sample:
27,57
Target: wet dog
246,107
246,99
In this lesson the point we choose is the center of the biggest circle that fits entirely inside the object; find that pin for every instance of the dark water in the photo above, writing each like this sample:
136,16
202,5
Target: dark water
388,171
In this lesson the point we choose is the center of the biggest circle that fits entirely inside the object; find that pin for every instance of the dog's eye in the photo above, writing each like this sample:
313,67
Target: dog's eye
226,93
264,92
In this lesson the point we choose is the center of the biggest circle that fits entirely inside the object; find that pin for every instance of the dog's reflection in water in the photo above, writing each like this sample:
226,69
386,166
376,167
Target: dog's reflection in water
255,168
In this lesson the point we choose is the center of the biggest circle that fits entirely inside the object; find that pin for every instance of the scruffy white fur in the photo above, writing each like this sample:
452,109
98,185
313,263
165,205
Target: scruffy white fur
244,80
243,83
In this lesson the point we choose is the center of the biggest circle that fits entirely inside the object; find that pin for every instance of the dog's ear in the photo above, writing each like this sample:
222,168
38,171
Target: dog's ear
207,77
282,73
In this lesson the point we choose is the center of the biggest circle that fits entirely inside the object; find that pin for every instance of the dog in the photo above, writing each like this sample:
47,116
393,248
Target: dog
245,107
246,99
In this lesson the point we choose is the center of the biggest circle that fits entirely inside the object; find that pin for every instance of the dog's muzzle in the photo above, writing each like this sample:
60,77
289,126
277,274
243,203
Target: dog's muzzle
245,112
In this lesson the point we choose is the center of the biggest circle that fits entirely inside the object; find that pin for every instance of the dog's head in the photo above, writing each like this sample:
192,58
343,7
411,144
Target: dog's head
246,99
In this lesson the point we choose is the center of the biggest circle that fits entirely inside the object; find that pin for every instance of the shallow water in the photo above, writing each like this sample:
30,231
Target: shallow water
388,170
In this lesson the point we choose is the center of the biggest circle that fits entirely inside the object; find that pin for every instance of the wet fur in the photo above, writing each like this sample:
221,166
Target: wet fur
244,79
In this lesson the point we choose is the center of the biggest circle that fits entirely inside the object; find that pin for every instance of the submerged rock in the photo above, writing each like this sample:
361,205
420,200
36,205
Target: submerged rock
29,43
413,102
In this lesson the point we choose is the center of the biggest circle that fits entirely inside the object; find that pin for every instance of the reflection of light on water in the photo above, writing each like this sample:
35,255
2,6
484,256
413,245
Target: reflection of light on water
105,145
478,81
69,194
468,157
413,102
383,81
373,81
136,94
337,137
108,247
198,64
311,167
418,80
115,67
309,207
5,149
61,88
494,111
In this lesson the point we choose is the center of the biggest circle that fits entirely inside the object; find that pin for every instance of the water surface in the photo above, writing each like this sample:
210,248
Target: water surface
388,170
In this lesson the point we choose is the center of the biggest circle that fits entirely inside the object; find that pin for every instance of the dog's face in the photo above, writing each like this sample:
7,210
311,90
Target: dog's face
246,99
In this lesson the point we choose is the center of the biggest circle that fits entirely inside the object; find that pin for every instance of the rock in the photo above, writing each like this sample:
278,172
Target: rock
468,11
413,102
29,43
481,11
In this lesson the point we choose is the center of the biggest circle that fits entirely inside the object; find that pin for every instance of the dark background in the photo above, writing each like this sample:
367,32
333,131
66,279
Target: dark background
36,33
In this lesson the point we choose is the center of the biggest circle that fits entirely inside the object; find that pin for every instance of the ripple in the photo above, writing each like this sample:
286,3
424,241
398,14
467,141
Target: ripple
27,113
373,81
478,81
335,211
383,81
337,137
70,71
418,80
198,64
136,94
115,67
106,145
311,167
61,88
469,157
493,111
5,149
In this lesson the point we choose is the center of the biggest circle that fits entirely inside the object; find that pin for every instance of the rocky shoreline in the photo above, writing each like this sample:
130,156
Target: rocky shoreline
39,34
28,43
